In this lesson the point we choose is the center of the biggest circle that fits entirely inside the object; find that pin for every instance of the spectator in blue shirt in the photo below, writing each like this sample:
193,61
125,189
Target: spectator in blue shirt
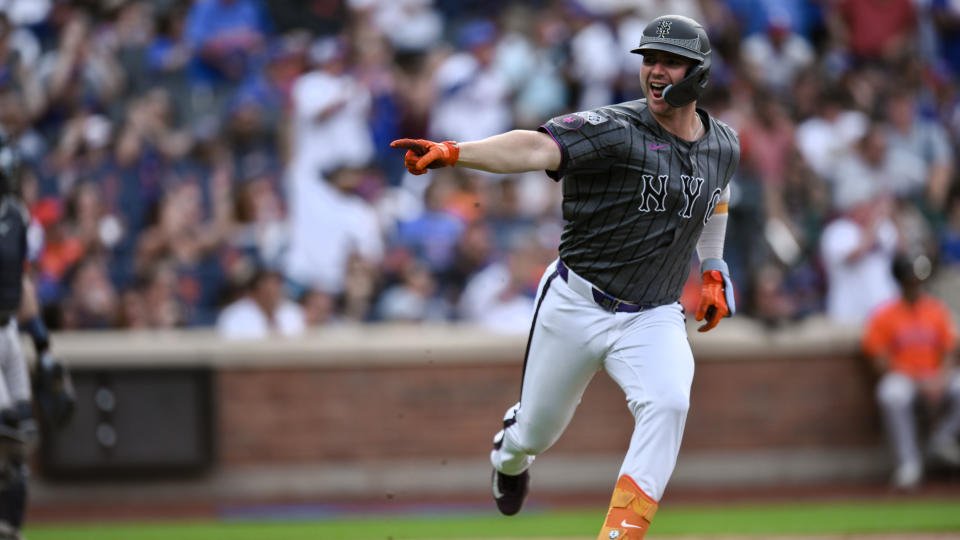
224,36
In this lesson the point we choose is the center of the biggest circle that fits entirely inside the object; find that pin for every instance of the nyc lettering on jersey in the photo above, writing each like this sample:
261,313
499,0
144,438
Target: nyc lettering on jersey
653,194
655,188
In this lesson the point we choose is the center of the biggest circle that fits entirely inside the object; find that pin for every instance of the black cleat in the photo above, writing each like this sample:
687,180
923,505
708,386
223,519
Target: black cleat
510,491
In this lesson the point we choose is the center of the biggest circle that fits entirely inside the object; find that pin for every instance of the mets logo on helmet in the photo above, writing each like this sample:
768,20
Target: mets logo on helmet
663,28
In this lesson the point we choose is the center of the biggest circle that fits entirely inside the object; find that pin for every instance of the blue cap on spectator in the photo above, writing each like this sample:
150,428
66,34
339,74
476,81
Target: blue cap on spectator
476,33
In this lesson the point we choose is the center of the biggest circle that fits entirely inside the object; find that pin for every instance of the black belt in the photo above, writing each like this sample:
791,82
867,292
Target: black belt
606,301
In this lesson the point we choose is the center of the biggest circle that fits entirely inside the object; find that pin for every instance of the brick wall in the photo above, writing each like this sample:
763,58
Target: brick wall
360,411
380,393
382,412
798,402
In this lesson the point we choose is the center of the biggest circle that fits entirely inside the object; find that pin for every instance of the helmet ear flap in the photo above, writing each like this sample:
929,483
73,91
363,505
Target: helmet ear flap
688,89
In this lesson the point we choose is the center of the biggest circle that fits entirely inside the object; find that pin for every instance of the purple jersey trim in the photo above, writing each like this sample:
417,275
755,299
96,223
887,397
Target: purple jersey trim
557,174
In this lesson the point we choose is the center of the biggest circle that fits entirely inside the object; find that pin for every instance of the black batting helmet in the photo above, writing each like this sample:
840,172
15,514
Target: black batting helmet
907,269
685,37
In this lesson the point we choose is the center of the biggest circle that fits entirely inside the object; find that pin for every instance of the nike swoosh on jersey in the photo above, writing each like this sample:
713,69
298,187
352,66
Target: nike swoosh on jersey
657,146
630,525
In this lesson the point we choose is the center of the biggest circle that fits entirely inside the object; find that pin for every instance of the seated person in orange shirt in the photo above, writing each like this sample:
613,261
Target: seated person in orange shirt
911,341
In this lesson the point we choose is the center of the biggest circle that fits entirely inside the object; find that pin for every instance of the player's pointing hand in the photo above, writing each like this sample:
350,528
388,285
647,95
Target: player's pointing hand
423,154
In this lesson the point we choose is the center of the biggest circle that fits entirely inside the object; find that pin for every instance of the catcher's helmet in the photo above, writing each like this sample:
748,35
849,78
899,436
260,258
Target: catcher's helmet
685,37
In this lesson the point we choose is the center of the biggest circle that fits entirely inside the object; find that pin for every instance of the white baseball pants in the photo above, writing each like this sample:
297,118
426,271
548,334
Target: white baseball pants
646,353
14,374
897,394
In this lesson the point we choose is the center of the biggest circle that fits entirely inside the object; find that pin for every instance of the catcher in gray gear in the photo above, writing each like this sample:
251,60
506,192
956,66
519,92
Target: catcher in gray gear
644,184
54,393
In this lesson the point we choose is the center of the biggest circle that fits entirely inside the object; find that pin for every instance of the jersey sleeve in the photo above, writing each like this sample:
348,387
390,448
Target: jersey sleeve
587,140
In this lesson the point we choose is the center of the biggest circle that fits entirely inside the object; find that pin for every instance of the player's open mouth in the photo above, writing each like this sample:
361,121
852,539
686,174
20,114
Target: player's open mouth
656,89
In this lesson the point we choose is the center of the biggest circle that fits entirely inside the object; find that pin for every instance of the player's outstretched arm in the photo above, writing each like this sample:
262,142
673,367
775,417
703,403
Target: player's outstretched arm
512,152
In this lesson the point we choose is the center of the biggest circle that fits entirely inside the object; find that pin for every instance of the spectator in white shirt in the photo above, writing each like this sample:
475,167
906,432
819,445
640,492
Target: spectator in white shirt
472,95
924,139
262,312
595,58
823,138
775,57
330,116
501,297
329,224
858,247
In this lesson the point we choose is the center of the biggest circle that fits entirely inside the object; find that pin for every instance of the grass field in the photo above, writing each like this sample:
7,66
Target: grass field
895,519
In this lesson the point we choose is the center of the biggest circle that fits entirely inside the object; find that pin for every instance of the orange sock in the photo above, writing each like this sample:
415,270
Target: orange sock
631,511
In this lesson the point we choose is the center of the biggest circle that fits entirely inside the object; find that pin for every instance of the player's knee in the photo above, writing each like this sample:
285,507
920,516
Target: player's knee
514,435
17,413
537,443
10,436
895,391
18,429
677,399
534,440
674,404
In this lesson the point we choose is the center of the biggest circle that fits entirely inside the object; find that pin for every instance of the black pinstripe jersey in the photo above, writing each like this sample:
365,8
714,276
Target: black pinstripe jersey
636,197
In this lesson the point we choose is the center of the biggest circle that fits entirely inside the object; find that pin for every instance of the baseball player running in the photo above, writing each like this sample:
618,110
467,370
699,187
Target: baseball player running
644,183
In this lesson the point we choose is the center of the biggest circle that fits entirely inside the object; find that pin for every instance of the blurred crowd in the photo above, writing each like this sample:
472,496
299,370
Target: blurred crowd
227,162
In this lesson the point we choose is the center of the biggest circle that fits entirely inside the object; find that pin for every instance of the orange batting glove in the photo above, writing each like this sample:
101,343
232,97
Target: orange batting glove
716,296
423,154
